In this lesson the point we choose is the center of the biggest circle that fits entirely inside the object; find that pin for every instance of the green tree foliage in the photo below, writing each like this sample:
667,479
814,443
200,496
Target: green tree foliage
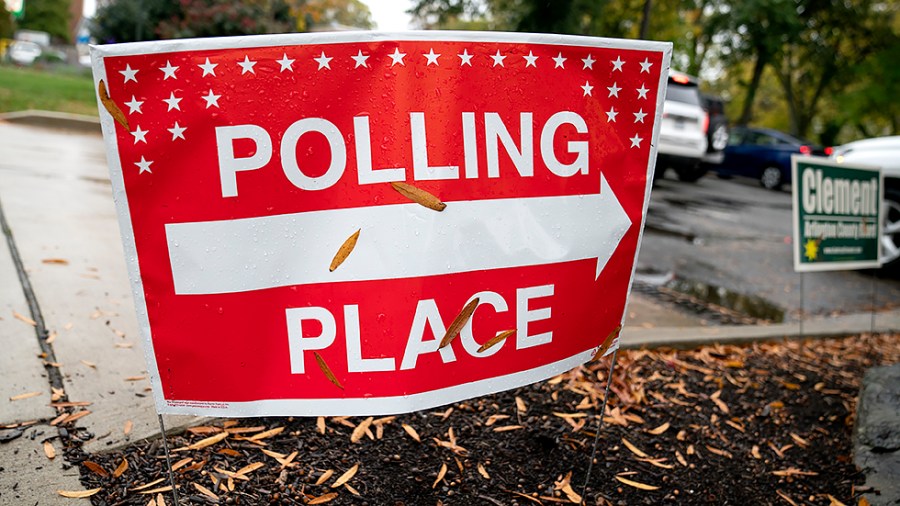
6,23
51,16
325,13
137,20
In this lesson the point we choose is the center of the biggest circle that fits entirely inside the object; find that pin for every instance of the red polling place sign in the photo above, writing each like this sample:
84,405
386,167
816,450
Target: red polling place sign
242,166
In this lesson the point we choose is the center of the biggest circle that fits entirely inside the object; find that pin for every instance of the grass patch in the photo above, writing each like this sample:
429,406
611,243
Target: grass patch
49,90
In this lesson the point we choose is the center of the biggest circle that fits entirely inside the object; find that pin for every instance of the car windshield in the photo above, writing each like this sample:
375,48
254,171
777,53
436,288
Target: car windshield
681,93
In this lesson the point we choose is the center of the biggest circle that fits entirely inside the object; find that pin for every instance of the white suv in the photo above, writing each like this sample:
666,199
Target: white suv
881,152
682,133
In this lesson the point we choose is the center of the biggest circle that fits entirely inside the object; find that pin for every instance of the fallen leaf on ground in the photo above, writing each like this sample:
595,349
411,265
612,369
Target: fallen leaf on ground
20,397
659,430
634,449
325,476
786,498
412,432
267,434
205,491
344,478
203,443
440,476
78,494
324,498
483,472
95,468
834,501
24,318
121,469
642,486
360,430
793,471
128,426
49,451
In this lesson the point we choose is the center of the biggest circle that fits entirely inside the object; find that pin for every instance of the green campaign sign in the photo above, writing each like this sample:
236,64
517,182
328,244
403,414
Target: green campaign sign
837,215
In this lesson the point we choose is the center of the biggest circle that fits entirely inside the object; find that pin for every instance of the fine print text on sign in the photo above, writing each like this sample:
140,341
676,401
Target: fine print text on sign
837,215
377,223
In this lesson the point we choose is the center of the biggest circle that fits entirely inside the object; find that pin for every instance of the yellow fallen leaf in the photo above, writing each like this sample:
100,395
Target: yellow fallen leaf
483,472
642,486
344,478
121,469
360,430
203,443
128,426
834,502
327,474
24,396
320,424
49,451
249,468
520,405
412,432
266,434
147,485
634,449
324,498
659,430
205,491
440,476
78,494
24,318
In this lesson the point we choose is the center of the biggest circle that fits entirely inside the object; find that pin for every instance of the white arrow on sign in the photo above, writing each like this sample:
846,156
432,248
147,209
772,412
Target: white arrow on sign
396,241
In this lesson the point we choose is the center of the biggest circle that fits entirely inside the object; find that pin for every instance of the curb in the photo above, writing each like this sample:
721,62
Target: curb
51,119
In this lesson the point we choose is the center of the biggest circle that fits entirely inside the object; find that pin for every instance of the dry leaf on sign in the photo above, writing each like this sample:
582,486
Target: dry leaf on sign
440,476
121,469
78,494
324,498
327,370
111,106
421,197
642,486
344,478
459,322
412,432
496,339
55,261
344,251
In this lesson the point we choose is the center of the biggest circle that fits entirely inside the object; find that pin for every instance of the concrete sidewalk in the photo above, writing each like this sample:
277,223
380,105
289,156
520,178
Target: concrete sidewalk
57,201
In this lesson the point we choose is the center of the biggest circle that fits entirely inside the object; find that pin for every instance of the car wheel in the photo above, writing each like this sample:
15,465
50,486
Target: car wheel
890,232
691,174
771,178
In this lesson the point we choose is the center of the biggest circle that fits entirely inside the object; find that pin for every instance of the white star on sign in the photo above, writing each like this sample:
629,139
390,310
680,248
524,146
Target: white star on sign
360,60
587,88
177,131
397,57
617,64
645,65
639,116
635,141
642,92
208,68
140,135
247,65
172,102
144,165
498,59
134,106
211,100
323,61
588,62
611,115
465,58
168,71
286,63
560,61
613,91
530,60
432,57
129,73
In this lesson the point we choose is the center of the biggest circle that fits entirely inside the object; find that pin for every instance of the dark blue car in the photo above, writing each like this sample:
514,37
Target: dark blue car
763,154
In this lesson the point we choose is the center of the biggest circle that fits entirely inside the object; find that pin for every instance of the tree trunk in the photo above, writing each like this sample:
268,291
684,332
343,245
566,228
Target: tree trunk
645,21
758,67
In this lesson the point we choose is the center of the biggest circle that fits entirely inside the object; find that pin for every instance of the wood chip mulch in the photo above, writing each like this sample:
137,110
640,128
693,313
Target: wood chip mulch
768,423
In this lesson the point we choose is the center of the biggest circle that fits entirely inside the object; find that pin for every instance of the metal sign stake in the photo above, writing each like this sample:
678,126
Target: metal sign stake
162,429
587,477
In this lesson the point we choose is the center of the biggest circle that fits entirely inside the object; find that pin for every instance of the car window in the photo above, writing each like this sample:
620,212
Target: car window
736,137
684,94
761,139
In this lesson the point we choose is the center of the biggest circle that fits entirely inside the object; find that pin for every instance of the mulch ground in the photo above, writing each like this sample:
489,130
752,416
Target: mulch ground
768,423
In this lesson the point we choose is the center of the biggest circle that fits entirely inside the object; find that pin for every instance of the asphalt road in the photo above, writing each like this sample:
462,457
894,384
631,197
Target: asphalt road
736,236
